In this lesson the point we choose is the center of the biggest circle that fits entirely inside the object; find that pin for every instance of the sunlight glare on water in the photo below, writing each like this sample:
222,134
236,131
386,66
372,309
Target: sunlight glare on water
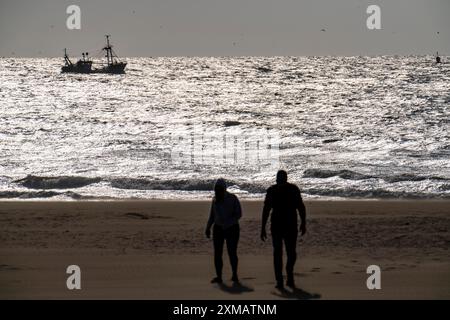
352,127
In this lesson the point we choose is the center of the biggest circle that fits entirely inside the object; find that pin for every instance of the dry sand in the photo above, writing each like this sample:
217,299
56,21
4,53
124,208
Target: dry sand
157,250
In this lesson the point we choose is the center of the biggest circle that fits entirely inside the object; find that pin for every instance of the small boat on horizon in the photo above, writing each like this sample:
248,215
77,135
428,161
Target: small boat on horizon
84,65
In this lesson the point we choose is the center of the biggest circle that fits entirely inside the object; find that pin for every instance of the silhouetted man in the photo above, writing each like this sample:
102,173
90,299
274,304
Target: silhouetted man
284,200
224,215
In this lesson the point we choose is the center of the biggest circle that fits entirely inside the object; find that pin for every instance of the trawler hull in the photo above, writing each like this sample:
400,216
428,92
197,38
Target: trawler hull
79,67
117,68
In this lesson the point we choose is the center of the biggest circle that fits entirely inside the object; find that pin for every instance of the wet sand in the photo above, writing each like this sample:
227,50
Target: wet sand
157,250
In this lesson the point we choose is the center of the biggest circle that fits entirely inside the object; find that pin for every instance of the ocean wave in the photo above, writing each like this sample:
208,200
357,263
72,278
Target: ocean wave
349,193
445,187
156,184
71,182
231,123
352,175
344,174
37,194
330,141
60,182
183,184
264,69
373,194
201,185
411,177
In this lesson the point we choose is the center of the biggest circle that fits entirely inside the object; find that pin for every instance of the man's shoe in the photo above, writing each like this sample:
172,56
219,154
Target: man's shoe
235,278
290,283
279,285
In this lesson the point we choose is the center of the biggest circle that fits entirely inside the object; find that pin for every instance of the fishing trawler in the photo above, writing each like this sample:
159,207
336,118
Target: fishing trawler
85,65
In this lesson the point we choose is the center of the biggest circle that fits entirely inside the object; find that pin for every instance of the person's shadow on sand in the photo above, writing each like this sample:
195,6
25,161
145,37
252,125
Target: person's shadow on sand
296,293
235,288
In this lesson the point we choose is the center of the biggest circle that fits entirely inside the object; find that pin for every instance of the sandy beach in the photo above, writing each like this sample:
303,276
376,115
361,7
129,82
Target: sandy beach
157,250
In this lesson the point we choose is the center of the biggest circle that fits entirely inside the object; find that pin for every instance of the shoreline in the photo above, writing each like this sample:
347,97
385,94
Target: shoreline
242,199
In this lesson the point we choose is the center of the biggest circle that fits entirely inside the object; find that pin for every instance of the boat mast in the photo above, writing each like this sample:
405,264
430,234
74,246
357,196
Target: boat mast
66,57
108,51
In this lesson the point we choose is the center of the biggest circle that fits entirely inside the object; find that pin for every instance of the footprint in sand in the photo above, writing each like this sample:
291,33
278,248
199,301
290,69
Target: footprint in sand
8,267
300,275
137,215
144,216
436,259
390,268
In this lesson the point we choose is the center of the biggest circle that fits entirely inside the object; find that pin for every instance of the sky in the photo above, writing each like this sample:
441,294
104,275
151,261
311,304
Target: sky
149,28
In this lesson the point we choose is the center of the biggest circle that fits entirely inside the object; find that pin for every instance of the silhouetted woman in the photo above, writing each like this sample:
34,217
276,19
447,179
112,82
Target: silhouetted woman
224,215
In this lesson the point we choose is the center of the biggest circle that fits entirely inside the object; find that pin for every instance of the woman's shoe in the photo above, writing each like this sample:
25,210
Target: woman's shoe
216,280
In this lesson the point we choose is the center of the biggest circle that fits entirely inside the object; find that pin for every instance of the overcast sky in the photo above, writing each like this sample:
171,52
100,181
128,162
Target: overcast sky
225,27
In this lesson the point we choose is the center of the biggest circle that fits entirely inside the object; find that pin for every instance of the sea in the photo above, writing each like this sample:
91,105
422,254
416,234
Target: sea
342,127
